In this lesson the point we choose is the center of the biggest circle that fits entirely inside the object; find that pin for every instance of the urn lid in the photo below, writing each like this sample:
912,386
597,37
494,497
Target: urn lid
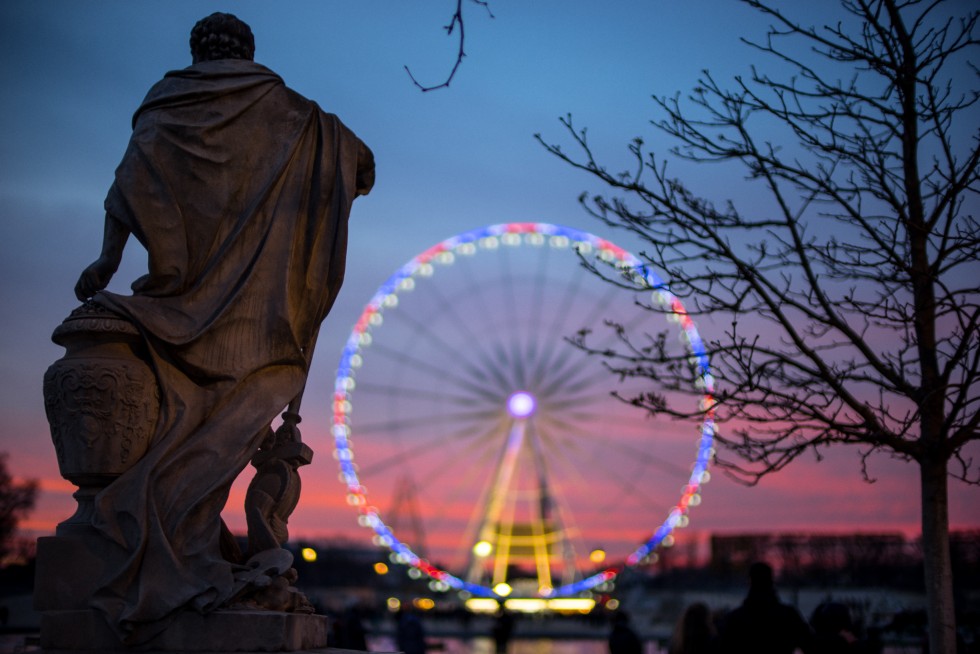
91,319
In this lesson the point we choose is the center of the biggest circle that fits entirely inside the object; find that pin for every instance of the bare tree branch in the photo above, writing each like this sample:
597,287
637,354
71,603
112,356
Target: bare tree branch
455,23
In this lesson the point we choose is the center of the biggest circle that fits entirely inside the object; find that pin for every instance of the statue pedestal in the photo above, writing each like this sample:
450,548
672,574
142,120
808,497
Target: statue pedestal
69,570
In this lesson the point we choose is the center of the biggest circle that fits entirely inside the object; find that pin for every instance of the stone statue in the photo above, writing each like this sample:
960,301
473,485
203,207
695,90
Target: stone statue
239,189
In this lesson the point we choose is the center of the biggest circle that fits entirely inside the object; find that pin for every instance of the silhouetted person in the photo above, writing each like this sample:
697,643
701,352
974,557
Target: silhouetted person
695,632
503,629
622,638
409,633
763,624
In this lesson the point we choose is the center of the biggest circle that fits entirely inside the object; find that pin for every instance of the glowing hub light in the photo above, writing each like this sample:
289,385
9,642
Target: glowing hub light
502,589
308,554
482,549
597,556
521,404
381,568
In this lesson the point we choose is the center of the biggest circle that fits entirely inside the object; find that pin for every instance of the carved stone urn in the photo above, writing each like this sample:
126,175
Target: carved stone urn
102,403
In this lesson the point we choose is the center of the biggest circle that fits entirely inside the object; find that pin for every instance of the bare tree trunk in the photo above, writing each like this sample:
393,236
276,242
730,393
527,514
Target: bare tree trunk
935,550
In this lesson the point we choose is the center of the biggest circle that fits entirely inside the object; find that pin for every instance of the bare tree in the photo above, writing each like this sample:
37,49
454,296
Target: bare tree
847,289
16,501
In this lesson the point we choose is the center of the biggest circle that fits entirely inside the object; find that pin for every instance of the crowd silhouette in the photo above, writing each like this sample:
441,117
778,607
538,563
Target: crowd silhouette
761,624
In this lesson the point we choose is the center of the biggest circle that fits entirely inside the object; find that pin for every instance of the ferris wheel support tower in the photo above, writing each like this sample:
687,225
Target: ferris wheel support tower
502,536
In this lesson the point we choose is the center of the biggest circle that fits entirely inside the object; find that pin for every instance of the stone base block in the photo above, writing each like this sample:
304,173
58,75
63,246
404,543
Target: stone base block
86,632
71,568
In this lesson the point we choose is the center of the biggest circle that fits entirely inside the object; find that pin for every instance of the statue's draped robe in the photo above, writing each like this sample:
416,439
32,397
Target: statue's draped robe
240,190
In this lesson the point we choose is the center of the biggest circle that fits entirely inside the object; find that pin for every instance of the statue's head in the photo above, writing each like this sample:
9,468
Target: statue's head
221,36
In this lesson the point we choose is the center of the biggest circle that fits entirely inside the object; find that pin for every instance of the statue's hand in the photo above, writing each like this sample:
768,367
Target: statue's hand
94,278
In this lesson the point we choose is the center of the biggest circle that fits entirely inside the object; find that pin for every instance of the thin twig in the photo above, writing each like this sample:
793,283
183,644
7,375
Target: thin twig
456,20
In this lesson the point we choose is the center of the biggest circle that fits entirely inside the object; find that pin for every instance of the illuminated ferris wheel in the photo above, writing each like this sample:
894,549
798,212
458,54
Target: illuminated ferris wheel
461,376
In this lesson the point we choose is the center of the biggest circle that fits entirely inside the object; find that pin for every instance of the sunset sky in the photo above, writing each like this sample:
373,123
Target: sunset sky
448,162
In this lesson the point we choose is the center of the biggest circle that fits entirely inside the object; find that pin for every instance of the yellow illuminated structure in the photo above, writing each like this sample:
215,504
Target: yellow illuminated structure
521,526
532,604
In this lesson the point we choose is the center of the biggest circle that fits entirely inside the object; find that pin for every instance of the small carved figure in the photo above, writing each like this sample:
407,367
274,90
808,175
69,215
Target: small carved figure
274,491
239,189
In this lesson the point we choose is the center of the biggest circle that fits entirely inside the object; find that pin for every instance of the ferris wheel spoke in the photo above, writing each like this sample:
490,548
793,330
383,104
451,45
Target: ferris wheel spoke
437,471
571,379
574,401
418,393
518,311
474,461
646,458
584,465
598,313
504,362
395,425
487,363
566,518
557,326
507,283
423,447
460,358
570,354
537,299
611,441
532,332
518,361
571,366
437,372
574,477
497,358
569,424
628,489
577,380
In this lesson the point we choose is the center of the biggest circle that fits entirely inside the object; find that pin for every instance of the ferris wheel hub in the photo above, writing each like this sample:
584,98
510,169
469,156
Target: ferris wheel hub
521,404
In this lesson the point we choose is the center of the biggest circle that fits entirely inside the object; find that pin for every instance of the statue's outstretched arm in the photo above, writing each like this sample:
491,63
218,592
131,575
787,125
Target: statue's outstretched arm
96,277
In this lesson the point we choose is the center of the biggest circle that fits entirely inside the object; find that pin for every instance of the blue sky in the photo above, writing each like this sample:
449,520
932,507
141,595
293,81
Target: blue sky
448,161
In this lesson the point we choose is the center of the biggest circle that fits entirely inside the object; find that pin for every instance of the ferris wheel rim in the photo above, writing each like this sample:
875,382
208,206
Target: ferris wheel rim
444,253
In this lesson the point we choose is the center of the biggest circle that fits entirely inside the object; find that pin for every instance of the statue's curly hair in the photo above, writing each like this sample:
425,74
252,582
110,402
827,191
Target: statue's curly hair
221,36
